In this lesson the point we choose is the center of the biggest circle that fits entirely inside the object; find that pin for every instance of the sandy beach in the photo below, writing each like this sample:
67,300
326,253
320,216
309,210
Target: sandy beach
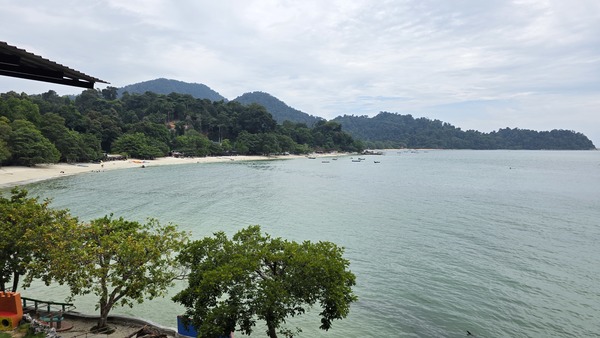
14,175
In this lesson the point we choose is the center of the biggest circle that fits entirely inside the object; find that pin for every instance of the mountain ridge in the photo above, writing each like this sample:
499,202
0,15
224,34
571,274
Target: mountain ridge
167,86
385,129
279,109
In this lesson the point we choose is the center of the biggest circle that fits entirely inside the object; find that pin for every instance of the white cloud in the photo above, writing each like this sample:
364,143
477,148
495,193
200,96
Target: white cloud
529,64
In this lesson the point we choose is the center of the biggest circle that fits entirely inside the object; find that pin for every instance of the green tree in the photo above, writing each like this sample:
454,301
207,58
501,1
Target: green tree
226,145
109,93
89,147
192,144
269,144
119,261
89,99
235,282
29,147
27,226
65,140
5,130
4,152
19,107
247,143
256,119
157,134
136,145
286,143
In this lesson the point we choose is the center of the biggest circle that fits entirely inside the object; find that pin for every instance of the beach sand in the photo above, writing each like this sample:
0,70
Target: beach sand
14,175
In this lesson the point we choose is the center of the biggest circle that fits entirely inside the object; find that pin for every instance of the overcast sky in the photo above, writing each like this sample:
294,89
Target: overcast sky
476,64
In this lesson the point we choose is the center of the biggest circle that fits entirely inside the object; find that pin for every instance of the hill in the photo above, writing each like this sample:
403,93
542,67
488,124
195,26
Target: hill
166,86
386,130
280,111
389,130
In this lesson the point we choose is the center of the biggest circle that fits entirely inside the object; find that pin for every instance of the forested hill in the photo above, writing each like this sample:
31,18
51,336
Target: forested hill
166,86
48,128
390,130
280,111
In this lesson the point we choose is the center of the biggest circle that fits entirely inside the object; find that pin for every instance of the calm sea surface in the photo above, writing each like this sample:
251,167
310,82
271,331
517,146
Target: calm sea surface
500,243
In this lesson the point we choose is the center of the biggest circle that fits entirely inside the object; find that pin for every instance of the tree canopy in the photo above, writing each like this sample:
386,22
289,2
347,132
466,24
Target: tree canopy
252,276
389,130
47,128
119,261
27,226
28,145
233,283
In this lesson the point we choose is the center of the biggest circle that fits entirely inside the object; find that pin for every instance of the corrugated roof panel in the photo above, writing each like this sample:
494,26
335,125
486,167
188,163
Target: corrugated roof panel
20,63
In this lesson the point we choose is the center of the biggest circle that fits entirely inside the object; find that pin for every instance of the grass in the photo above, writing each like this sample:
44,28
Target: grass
22,332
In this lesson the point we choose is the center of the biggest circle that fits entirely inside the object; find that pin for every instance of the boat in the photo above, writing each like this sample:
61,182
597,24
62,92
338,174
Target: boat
325,161
377,161
372,152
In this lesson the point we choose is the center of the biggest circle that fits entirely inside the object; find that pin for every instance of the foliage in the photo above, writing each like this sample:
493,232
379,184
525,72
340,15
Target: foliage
84,129
26,225
281,112
29,147
255,120
137,145
4,152
5,130
119,261
192,144
19,107
97,122
72,145
388,130
166,86
235,282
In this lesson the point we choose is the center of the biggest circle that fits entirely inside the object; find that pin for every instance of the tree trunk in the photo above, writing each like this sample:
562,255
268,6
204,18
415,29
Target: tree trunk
103,320
271,330
15,282
102,323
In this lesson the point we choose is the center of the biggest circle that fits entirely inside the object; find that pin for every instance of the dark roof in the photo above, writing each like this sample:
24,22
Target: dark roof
20,63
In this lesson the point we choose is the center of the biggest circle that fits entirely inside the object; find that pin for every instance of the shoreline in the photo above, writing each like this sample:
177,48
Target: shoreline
12,176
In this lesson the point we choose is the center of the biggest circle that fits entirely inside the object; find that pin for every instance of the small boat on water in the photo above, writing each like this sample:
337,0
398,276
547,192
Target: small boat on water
377,161
356,161
311,157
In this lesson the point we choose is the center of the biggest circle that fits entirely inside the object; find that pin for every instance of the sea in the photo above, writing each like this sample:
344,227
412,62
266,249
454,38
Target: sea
496,243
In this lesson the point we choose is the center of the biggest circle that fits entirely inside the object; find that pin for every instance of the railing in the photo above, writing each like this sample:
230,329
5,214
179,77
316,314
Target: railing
37,302
46,310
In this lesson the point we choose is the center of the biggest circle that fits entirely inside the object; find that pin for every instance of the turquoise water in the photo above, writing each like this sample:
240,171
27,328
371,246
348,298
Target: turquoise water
500,243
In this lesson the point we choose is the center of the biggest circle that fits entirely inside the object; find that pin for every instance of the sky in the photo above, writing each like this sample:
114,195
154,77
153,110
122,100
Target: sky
483,65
